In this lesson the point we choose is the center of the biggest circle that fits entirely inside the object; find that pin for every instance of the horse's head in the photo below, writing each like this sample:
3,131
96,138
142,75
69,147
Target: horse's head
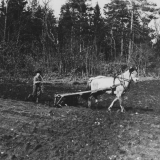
134,74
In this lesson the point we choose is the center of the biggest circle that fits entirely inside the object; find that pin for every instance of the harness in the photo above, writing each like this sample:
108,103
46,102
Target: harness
122,82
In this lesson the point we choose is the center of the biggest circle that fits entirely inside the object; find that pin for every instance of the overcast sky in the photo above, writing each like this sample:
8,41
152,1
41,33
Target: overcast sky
56,4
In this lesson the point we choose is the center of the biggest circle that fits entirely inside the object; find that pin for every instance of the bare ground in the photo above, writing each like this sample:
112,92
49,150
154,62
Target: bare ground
30,131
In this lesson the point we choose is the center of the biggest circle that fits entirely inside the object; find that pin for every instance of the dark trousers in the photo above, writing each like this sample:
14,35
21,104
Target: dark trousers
36,89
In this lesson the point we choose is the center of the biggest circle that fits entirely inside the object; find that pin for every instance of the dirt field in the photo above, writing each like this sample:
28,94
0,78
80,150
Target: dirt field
30,131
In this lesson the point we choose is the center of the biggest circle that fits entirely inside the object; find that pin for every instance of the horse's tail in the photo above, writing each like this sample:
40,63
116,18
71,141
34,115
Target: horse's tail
88,87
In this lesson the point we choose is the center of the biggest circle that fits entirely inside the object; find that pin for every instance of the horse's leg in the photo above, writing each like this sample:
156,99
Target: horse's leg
120,102
119,96
96,99
36,99
95,96
109,108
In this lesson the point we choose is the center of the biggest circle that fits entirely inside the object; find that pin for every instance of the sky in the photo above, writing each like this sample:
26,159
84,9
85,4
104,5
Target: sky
56,4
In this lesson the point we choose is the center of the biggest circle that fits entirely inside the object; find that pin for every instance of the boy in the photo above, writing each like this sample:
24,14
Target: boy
37,83
37,86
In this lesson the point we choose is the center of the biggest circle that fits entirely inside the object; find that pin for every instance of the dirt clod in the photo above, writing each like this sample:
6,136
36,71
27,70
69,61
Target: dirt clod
33,131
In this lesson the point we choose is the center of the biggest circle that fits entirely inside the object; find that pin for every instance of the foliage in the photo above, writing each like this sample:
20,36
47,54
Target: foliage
80,41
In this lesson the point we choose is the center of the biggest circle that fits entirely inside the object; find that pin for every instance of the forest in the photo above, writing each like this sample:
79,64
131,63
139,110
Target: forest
81,42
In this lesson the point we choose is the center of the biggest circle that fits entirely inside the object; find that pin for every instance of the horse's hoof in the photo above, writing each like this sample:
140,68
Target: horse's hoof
122,111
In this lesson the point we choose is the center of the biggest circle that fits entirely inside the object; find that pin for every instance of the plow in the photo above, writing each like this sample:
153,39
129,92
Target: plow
62,99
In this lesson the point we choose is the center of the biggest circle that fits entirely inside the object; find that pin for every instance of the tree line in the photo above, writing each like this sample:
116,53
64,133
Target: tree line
82,41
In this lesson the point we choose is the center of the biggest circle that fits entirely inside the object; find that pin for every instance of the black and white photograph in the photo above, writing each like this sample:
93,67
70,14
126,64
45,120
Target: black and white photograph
79,79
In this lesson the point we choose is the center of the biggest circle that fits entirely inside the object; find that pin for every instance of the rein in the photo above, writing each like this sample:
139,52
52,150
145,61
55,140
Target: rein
128,80
122,80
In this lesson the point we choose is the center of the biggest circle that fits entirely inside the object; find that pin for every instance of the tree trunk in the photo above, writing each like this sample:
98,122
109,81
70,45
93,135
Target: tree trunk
5,22
130,40
122,45
111,45
87,70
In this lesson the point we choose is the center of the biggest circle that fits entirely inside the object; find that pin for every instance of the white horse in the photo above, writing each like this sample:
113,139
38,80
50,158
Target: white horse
116,85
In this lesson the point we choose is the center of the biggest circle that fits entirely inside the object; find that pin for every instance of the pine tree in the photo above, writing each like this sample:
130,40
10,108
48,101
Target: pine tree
117,19
142,12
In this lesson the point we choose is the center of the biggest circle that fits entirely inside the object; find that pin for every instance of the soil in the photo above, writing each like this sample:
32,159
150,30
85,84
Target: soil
39,131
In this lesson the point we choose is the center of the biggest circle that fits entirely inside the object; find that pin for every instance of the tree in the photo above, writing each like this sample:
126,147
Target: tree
141,15
116,19
73,33
98,28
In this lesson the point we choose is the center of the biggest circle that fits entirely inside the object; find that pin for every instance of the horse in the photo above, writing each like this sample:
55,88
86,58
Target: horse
116,85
